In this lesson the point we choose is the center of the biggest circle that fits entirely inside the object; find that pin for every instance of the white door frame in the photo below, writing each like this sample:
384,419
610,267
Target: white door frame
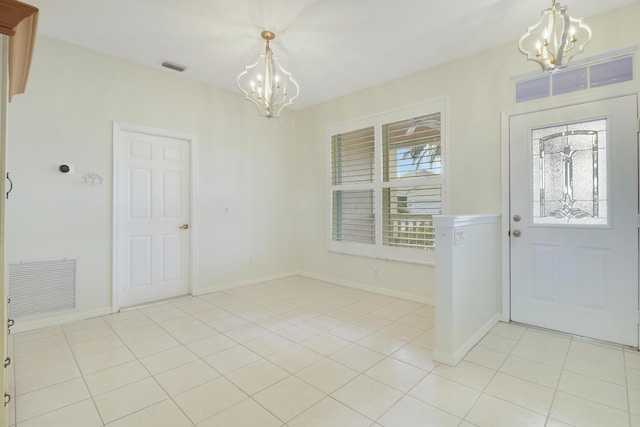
118,128
533,107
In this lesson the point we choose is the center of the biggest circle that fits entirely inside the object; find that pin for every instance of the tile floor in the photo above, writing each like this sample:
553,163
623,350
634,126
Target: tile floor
298,352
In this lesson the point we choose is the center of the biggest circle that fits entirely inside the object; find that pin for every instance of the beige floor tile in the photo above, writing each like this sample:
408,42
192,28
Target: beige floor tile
183,322
498,343
350,332
371,321
632,359
211,345
595,368
37,347
508,330
228,360
257,376
466,373
89,334
208,399
24,337
46,357
633,379
426,339
325,343
402,331
269,344
327,375
81,414
126,325
635,420
382,343
295,358
129,336
213,314
555,423
36,379
128,399
486,357
168,359
634,401
356,357
246,333
153,345
122,316
299,333
329,413
171,313
410,412
288,398
87,348
185,377
417,356
602,352
367,396
165,413
49,399
594,389
521,392
584,413
111,378
325,322
539,373
227,323
535,353
445,394
489,411
193,333
396,374
244,414
546,339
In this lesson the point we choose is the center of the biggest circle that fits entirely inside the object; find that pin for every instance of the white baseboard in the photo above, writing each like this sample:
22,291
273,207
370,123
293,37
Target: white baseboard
29,324
454,358
233,285
369,288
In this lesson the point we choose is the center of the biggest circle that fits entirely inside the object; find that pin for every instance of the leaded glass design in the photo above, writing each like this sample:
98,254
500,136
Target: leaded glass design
570,174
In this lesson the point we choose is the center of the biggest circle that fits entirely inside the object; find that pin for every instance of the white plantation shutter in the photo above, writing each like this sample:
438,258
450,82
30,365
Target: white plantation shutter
411,152
352,163
387,183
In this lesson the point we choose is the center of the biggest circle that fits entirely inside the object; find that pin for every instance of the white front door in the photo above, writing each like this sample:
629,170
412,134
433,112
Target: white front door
153,187
574,219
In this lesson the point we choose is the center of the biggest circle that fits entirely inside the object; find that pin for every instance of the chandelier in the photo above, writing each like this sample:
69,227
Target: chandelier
267,84
555,38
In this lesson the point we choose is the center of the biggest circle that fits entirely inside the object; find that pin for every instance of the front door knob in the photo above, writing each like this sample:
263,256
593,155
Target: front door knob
517,233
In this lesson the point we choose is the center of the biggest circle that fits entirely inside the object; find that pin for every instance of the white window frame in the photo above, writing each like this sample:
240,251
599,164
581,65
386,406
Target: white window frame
378,249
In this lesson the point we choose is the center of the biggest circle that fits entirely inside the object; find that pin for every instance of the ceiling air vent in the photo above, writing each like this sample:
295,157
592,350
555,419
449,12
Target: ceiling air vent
174,66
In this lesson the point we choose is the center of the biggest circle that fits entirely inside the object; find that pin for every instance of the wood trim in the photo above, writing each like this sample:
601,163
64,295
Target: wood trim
18,21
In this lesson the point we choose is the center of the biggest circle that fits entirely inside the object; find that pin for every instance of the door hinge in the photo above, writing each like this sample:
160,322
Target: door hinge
638,317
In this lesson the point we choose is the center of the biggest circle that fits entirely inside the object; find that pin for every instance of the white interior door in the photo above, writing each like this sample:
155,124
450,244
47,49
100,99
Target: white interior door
153,217
574,219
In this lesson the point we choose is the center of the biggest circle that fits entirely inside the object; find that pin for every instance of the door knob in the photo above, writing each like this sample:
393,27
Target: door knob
184,226
516,233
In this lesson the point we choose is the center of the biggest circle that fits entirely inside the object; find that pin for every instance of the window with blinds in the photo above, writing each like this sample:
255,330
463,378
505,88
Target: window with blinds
386,184
352,160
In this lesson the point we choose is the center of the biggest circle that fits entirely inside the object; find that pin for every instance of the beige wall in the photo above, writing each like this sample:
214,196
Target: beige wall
478,89
244,166
271,175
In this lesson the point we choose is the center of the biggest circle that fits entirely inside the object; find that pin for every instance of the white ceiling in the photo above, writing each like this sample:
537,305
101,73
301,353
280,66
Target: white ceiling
332,47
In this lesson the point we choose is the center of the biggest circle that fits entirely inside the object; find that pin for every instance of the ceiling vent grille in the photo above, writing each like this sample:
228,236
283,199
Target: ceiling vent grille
595,72
174,66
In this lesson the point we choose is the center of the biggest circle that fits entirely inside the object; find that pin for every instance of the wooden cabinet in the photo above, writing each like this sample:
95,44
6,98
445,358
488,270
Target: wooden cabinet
17,31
